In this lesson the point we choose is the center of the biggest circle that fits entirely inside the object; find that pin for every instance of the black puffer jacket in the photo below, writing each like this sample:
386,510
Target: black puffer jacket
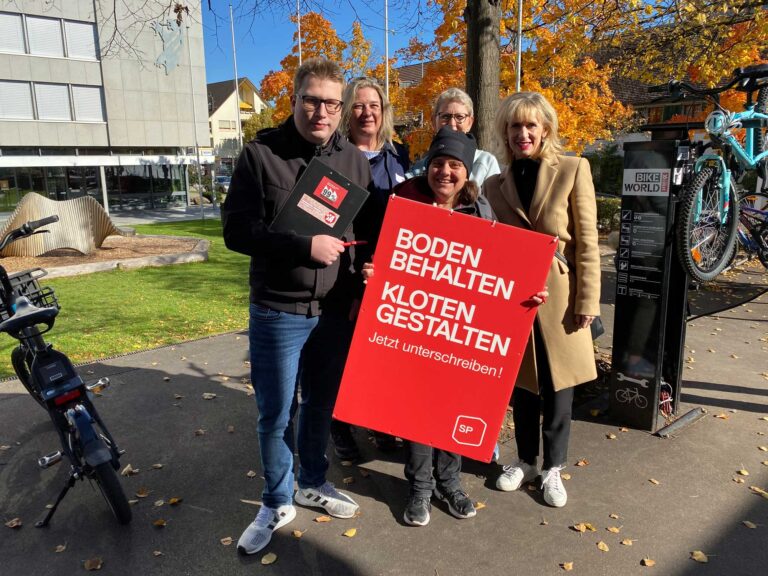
282,274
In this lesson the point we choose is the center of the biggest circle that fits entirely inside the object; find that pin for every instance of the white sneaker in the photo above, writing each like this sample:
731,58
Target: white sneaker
552,484
329,499
515,475
259,532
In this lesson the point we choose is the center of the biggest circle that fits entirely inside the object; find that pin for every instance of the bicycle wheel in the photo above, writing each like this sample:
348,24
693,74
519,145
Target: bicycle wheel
18,360
761,107
641,402
704,237
754,217
106,478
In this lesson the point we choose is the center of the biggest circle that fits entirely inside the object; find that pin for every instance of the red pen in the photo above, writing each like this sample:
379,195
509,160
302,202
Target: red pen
355,243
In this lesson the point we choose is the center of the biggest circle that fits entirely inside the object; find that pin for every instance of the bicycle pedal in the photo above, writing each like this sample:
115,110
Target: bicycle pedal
99,386
49,460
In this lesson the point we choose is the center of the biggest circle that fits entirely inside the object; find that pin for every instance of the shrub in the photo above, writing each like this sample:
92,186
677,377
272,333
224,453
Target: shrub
608,212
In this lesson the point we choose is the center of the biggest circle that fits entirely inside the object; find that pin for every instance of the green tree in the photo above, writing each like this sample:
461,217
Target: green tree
258,122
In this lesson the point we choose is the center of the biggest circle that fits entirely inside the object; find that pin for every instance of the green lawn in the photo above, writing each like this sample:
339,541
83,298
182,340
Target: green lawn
116,312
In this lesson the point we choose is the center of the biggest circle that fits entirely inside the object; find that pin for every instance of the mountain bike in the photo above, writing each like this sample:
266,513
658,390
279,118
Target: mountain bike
752,232
27,311
709,204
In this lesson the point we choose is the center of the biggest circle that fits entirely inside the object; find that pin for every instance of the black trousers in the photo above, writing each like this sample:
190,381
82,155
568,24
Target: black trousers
555,426
422,460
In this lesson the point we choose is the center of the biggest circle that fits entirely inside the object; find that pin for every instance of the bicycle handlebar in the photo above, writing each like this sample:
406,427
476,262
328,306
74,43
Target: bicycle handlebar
26,229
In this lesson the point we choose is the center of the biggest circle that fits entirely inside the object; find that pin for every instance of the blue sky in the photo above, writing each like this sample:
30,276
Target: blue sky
263,39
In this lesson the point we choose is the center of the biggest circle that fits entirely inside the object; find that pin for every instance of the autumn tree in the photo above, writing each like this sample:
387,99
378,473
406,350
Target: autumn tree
260,121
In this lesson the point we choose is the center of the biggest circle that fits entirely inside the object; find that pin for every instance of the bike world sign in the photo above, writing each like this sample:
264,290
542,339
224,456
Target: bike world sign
442,327
646,182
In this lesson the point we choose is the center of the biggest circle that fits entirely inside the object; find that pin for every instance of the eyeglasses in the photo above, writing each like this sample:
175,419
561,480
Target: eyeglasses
446,118
312,103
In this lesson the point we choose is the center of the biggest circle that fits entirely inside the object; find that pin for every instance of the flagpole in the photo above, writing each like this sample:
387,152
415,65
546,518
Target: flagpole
386,48
298,23
237,83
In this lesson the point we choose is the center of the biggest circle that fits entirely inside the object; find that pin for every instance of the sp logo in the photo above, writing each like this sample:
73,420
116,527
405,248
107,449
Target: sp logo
469,430
331,217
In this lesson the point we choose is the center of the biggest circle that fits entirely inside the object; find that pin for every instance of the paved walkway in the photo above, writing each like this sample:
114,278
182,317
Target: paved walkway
662,498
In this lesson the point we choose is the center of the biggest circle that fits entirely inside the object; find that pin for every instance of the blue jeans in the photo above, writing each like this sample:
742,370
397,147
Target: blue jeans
291,353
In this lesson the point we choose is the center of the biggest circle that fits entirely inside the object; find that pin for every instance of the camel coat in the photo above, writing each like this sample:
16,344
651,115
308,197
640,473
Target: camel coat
563,205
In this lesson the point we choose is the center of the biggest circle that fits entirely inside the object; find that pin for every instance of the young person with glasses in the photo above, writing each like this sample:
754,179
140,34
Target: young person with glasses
301,299
453,108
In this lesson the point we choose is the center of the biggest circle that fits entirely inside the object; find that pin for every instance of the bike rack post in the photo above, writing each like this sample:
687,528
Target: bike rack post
651,286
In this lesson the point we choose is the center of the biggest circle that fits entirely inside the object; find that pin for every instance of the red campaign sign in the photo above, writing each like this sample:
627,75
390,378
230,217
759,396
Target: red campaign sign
442,327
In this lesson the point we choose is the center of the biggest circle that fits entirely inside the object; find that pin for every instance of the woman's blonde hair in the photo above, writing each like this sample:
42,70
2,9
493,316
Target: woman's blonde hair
525,106
387,129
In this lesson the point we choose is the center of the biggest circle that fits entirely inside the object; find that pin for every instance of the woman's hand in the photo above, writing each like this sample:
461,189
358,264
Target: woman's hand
582,320
326,249
538,298
367,272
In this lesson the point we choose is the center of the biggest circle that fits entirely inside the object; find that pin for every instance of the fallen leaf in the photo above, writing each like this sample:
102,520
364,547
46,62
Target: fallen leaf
567,566
269,558
159,503
349,480
298,533
582,462
565,476
166,378
174,501
594,412
732,356
583,527
364,473
132,502
347,463
323,519
742,472
208,395
749,524
142,492
699,556
178,396
627,542
15,523
764,462
479,505
157,553
251,474
623,429
763,448
614,529
4,447
93,564
60,548
543,522
648,562
764,417
602,546
156,466
722,416
711,350
226,541
129,471
611,436
614,516
757,490
159,523
738,480
230,429
531,488
654,481
350,533
199,432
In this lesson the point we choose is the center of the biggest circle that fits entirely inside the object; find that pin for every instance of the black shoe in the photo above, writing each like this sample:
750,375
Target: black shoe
458,503
385,442
344,445
417,510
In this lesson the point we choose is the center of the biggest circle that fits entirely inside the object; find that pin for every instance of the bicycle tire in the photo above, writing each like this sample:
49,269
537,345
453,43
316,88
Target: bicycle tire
109,484
641,402
704,245
761,107
758,226
18,361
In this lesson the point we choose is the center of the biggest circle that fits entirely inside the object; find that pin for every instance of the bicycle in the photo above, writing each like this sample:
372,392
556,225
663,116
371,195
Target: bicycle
631,395
28,311
752,233
709,205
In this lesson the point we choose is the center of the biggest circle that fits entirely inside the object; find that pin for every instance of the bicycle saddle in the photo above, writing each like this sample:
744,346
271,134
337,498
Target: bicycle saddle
27,314
751,77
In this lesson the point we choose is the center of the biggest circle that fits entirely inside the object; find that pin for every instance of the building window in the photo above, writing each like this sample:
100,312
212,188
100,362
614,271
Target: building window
88,103
53,102
11,33
81,40
16,100
224,125
45,36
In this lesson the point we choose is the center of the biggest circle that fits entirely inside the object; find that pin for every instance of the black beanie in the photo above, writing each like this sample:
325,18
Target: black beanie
449,142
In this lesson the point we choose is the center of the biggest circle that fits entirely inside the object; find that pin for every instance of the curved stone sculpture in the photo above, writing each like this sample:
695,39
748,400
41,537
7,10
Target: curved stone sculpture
83,225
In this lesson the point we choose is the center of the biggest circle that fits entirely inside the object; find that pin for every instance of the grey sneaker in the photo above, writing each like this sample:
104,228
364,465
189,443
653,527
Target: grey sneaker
552,484
329,499
515,475
458,502
417,510
259,532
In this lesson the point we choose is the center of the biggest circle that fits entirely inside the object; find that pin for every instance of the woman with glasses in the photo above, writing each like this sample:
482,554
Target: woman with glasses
453,108
368,123
545,191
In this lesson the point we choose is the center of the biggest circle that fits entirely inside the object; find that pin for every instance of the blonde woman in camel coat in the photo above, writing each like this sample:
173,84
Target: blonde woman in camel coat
547,192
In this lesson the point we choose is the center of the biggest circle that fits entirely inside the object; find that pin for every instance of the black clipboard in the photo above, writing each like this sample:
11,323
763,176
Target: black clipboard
323,201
